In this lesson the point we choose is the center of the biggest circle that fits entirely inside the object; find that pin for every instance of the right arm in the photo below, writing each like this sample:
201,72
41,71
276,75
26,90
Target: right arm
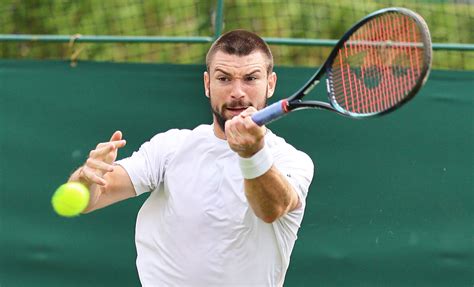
107,183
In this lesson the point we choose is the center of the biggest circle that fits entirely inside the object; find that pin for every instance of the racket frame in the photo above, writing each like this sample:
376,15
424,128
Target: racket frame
295,101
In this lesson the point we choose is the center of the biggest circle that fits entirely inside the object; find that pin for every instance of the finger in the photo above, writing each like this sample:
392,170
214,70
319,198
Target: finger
117,144
236,129
250,124
230,130
249,134
116,136
248,112
102,151
227,128
100,165
93,177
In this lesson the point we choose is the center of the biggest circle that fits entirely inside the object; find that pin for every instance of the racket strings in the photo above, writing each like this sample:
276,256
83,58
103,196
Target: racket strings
378,65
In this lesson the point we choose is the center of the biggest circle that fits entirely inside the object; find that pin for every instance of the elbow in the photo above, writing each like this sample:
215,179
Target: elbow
272,216
269,219
271,213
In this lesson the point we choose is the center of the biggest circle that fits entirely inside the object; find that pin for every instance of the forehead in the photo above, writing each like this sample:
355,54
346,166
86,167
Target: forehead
254,60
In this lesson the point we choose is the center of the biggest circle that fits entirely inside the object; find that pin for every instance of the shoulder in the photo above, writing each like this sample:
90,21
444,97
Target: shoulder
278,146
164,142
171,135
174,138
276,142
286,154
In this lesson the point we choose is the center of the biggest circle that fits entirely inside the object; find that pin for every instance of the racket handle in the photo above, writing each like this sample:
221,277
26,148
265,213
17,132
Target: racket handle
271,113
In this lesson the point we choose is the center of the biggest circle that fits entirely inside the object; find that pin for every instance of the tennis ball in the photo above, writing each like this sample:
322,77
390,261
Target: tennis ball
70,199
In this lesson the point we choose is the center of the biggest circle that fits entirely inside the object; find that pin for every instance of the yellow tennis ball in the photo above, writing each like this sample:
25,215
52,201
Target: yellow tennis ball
70,199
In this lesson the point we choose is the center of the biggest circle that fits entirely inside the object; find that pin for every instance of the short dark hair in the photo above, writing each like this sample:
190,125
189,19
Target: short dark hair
240,43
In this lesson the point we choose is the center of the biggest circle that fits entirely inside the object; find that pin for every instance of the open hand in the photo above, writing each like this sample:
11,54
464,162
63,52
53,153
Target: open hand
101,160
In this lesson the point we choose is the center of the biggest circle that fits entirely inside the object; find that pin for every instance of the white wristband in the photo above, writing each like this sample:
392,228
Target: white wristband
257,164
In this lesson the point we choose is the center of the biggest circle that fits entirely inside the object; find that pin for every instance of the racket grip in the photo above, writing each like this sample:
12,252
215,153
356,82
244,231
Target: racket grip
270,113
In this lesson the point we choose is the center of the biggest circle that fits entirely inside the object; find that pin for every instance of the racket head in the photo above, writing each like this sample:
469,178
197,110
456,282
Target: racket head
379,64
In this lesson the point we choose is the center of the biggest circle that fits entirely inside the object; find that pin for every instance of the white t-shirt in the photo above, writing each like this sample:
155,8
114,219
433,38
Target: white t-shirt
196,228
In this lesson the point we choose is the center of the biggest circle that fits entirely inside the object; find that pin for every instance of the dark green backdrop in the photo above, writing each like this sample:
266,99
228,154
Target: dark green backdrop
391,203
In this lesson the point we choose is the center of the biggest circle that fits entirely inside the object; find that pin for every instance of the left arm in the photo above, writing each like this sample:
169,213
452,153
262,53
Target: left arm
270,194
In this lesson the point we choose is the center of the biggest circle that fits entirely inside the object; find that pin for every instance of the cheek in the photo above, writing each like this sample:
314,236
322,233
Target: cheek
218,90
258,93
216,95
215,101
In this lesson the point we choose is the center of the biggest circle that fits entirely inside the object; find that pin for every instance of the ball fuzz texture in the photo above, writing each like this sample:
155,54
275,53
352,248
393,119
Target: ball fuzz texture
70,199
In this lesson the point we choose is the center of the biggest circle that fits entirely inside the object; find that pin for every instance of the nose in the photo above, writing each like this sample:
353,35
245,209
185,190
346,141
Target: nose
237,90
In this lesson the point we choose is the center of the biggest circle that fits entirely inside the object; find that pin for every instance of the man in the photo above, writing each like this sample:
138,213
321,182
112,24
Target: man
226,200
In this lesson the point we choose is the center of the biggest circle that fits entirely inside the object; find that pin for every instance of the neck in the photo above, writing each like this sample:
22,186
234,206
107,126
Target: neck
218,132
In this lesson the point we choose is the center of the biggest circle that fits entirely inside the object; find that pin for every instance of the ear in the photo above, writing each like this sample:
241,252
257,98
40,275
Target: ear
272,79
207,83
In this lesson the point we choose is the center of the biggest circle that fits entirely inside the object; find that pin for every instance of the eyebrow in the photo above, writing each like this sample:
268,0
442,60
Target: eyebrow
222,71
253,72
228,74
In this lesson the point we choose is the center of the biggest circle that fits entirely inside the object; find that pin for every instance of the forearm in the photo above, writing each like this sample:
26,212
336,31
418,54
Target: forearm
270,195
118,187
107,183
268,192
94,189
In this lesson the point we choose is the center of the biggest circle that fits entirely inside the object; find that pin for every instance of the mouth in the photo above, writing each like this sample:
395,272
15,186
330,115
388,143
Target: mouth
236,110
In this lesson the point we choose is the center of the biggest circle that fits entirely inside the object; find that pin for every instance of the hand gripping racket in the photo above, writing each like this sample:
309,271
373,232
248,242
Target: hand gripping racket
376,67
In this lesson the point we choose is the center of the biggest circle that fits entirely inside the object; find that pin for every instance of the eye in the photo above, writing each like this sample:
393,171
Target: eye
250,78
223,78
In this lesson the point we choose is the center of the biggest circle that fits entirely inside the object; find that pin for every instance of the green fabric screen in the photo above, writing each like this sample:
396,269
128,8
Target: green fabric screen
391,203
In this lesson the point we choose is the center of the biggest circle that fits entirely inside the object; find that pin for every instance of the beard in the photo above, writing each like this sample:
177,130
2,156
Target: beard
219,116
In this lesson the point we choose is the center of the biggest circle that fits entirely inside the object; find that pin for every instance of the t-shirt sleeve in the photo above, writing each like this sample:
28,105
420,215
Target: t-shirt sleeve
298,169
146,167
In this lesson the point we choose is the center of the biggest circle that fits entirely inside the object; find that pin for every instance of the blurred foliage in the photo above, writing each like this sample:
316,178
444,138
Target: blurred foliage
449,22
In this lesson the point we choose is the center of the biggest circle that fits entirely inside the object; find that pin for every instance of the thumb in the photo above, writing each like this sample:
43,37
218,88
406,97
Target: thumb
248,112
116,136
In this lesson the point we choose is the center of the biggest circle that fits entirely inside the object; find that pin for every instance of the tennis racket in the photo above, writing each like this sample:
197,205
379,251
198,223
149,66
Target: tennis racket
375,68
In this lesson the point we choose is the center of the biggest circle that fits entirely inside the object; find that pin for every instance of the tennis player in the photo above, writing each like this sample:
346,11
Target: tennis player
225,200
